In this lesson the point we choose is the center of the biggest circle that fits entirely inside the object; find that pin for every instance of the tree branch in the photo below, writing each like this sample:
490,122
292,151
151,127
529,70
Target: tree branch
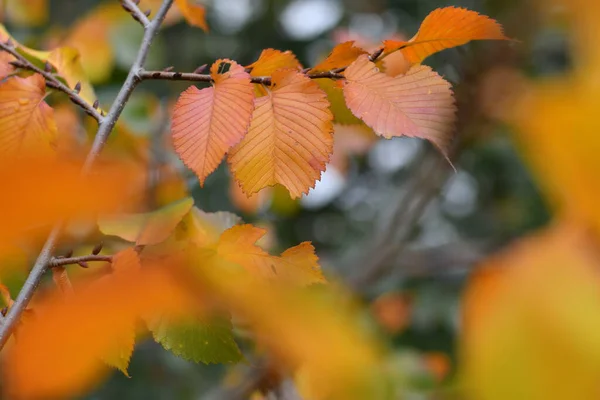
51,81
104,129
132,8
193,77
62,261
264,80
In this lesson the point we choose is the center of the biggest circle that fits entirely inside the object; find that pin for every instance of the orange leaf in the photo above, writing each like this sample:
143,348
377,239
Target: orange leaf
38,191
271,60
194,14
297,264
6,68
290,137
207,122
444,28
341,56
418,104
62,344
26,121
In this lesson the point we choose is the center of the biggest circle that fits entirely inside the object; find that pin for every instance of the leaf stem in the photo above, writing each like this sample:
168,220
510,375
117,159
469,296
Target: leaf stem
105,127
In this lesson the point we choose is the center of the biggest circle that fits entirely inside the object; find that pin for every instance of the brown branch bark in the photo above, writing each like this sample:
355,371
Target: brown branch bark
264,80
62,261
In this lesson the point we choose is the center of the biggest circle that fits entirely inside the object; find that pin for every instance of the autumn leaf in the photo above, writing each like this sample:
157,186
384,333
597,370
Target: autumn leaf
335,96
149,228
530,320
297,264
205,340
28,13
26,121
109,188
341,56
86,327
6,68
290,138
317,332
65,60
271,60
444,28
418,104
194,14
91,37
208,122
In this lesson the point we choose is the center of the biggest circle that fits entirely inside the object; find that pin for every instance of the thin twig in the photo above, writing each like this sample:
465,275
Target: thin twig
170,75
104,129
51,81
137,14
192,77
61,261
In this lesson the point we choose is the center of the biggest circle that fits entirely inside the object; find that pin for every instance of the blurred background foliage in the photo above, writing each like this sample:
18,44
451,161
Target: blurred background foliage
389,217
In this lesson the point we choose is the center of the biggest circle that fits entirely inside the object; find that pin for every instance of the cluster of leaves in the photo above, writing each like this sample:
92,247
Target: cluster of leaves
275,123
183,272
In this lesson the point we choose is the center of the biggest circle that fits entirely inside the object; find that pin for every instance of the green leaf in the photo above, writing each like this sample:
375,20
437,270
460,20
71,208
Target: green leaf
148,228
206,341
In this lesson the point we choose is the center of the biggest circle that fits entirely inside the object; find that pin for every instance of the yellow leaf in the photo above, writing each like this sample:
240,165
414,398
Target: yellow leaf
149,228
26,121
444,28
208,122
317,332
91,37
290,138
64,59
531,328
298,264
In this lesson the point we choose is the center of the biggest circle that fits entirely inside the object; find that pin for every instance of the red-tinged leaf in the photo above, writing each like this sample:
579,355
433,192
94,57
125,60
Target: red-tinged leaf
444,28
341,56
194,14
63,343
271,60
290,138
419,103
26,121
207,122
297,264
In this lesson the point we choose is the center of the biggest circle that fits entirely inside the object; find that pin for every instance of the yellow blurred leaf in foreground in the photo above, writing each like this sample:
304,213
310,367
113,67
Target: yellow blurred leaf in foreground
532,321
